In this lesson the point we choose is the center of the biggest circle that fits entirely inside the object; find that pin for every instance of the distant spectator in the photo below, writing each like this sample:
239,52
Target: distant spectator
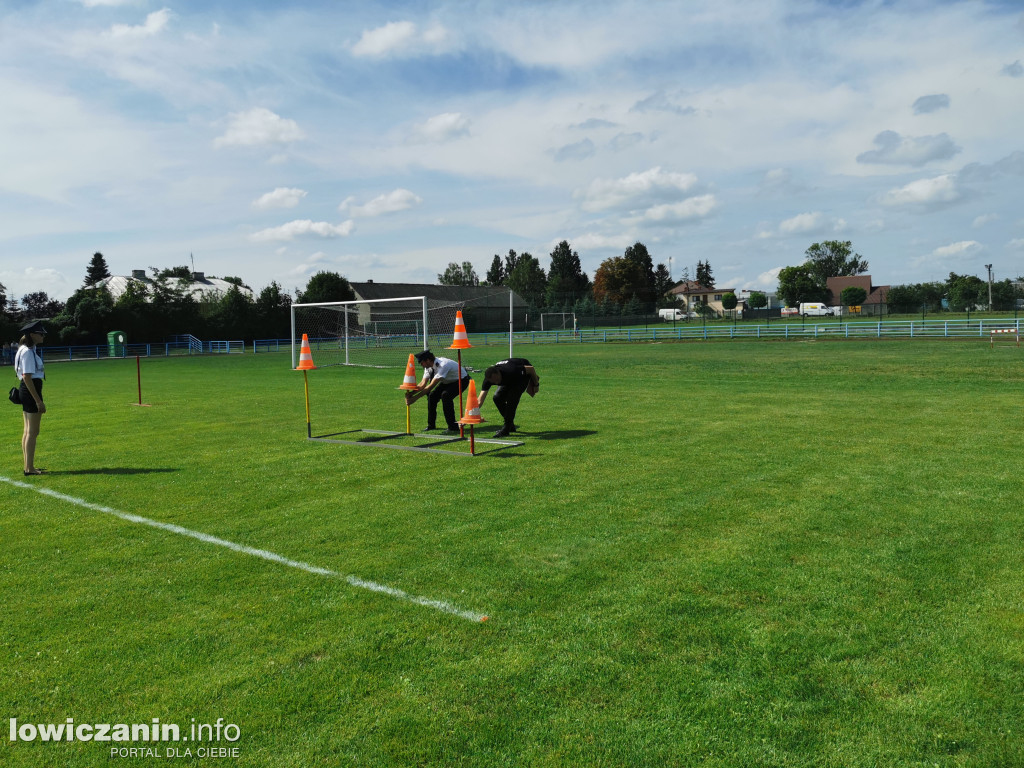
28,364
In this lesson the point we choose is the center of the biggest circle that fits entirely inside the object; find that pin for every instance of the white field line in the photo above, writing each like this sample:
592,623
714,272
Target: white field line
355,581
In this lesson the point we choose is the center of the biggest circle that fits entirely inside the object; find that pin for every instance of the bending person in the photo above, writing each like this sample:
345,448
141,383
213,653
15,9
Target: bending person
442,381
28,364
512,377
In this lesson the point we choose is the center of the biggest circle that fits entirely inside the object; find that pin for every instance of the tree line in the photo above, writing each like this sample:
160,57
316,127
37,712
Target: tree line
630,284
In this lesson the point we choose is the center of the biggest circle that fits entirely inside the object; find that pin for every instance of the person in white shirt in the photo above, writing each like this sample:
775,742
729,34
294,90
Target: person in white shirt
442,381
28,364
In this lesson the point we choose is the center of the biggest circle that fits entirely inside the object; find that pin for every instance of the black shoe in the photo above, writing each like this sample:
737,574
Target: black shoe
453,431
430,429
503,432
514,428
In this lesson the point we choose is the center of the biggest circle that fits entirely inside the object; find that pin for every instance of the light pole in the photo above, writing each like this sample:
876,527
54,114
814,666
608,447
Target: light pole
989,268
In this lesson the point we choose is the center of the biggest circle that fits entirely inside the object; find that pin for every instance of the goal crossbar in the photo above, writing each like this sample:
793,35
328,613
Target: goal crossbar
344,307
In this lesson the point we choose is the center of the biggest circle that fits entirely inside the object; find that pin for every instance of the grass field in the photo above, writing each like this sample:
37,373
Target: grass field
728,554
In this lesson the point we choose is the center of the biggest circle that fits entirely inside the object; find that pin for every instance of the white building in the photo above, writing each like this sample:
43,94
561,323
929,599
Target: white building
199,285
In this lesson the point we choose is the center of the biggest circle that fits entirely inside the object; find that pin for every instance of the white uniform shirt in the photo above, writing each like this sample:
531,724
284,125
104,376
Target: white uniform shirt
447,370
28,360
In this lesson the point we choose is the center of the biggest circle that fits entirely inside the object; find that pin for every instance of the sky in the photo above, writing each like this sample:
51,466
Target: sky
384,140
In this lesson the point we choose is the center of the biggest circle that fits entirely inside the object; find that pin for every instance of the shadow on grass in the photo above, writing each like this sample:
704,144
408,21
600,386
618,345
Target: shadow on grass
563,434
111,471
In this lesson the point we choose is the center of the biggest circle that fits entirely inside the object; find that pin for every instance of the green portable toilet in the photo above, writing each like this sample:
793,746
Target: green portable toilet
115,342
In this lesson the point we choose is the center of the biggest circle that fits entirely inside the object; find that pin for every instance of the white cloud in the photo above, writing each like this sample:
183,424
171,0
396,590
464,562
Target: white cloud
154,24
893,149
399,38
696,207
635,190
391,202
258,127
768,280
985,218
924,192
1016,244
599,242
443,127
802,222
300,227
955,250
282,197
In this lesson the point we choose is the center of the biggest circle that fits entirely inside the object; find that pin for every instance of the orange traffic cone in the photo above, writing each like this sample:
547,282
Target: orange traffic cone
472,407
410,375
461,340
305,356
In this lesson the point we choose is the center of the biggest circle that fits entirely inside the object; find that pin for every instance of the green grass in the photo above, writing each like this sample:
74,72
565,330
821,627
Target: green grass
727,554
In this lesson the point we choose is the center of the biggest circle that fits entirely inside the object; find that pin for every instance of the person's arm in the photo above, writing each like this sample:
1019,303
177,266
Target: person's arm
30,385
483,397
425,387
532,373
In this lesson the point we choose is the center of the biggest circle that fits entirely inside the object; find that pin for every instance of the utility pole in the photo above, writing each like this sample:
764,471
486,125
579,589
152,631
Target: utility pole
989,268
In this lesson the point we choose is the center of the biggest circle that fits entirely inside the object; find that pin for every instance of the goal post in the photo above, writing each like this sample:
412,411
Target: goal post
382,332
558,321
373,332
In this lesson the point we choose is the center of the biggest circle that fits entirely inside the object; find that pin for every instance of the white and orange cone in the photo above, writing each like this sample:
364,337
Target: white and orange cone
472,407
461,339
410,375
305,356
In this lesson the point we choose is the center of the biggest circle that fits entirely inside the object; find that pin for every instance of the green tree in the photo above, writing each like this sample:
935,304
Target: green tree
273,312
97,270
496,274
566,279
639,255
834,258
456,274
86,316
326,286
528,280
852,296
1005,295
758,300
729,301
182,272
39,305
704,276
617,278
511,260
966,292
662,285
797,284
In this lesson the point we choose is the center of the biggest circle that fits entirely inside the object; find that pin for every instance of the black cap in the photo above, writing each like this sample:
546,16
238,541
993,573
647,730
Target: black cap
36,327
426,353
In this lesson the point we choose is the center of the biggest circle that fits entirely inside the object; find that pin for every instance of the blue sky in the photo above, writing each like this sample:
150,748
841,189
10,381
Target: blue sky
385,140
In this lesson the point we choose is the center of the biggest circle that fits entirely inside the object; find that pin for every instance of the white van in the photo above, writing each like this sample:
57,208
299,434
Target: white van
816,309
668,315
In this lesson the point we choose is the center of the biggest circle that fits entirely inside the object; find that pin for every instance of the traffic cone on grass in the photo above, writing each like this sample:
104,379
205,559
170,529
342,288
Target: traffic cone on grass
410,375
305,356
461,340
472,407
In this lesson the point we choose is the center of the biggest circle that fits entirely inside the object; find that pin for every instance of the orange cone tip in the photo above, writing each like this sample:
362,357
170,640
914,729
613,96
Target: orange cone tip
305,356
472,407
461,340
410,375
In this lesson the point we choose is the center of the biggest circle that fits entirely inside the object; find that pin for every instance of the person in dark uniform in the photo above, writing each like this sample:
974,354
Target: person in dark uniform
442,380
512,377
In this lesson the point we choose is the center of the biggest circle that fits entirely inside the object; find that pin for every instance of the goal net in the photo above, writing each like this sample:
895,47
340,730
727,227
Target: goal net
558,321
382,332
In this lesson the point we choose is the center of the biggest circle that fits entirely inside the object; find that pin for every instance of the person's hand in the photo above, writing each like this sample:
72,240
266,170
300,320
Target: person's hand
42,407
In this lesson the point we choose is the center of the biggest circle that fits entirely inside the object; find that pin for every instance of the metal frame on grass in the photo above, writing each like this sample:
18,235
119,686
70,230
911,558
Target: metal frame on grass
443,439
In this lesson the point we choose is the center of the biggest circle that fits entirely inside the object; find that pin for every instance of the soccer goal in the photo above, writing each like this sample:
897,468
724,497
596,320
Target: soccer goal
558,321
378,333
